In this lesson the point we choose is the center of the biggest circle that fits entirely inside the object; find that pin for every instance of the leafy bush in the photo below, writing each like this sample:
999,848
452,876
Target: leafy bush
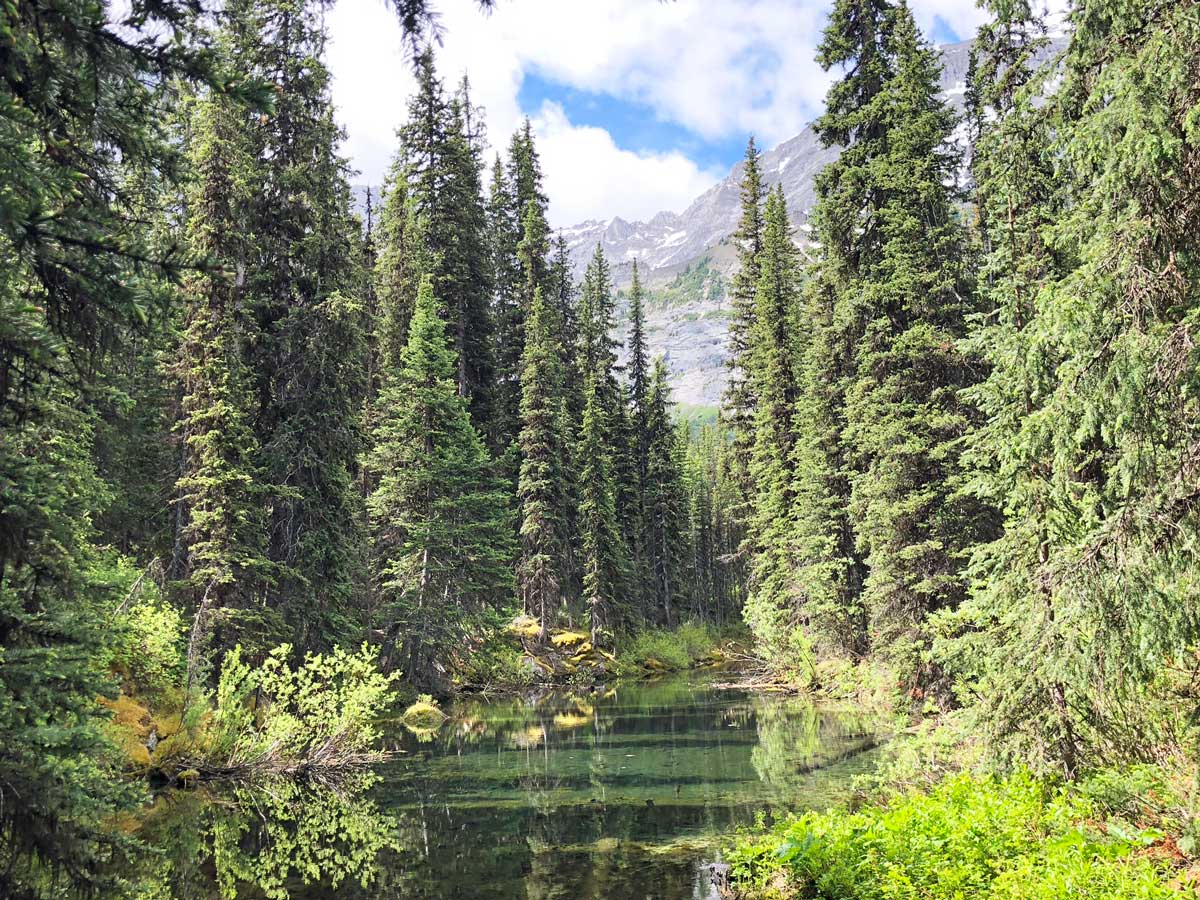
145,633
149,649
970,837
321,714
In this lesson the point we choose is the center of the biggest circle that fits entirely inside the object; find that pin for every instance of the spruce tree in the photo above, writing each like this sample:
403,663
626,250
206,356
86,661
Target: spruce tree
638,374
737,404
604,568
773,610
830,563
440,163
440,525
518,267
504,234
221,496
564,296
628,496
1015,197
542,488
905,419
301,281
1091,403
638,371
597,347
525,173
665,502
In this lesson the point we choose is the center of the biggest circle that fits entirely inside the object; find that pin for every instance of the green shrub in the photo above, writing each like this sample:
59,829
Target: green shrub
145,638
666,650
970,837
322,713
150,647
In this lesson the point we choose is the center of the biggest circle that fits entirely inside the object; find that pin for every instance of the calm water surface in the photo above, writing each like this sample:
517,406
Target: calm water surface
607,795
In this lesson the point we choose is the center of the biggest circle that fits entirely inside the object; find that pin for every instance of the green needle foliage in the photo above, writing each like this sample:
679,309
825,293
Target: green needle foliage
543,479
605,571
440,523
1088,596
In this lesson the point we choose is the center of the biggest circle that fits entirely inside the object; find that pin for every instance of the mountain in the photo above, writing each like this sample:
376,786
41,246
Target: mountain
686,257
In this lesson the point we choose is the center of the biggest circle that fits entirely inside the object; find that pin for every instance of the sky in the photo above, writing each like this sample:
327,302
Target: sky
637,105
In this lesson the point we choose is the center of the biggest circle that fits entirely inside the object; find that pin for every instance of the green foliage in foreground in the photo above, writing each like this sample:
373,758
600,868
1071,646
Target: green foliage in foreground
1014,838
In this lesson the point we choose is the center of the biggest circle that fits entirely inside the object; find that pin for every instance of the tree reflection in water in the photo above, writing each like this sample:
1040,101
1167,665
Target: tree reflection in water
279,840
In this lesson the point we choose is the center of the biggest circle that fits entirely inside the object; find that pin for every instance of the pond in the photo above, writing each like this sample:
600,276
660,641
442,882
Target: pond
610,794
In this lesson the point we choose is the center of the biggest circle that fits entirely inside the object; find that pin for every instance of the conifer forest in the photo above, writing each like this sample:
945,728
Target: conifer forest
354,541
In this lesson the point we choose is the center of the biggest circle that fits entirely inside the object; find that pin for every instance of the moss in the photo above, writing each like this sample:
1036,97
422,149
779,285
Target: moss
424,714
525,627
569,639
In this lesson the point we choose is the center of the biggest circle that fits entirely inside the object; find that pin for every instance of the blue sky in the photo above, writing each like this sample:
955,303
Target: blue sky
638,105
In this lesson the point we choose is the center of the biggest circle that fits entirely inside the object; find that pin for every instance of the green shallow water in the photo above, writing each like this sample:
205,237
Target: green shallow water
606,795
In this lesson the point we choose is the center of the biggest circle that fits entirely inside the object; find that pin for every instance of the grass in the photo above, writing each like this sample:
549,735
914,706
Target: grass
663,650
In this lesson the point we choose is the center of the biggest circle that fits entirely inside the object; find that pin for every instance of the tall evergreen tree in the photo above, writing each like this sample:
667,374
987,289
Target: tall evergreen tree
665,502
639,371
628,495
737,406
604,567
1015,196
300,281
525,173
504,234
518,267
440,162
639,374
542,486
773,609
566,302
222,496
1094,283
846,220
596,324
905,419
440,524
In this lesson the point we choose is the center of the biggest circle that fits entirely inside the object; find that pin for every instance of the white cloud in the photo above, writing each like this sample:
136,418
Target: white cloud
588,176
719,69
